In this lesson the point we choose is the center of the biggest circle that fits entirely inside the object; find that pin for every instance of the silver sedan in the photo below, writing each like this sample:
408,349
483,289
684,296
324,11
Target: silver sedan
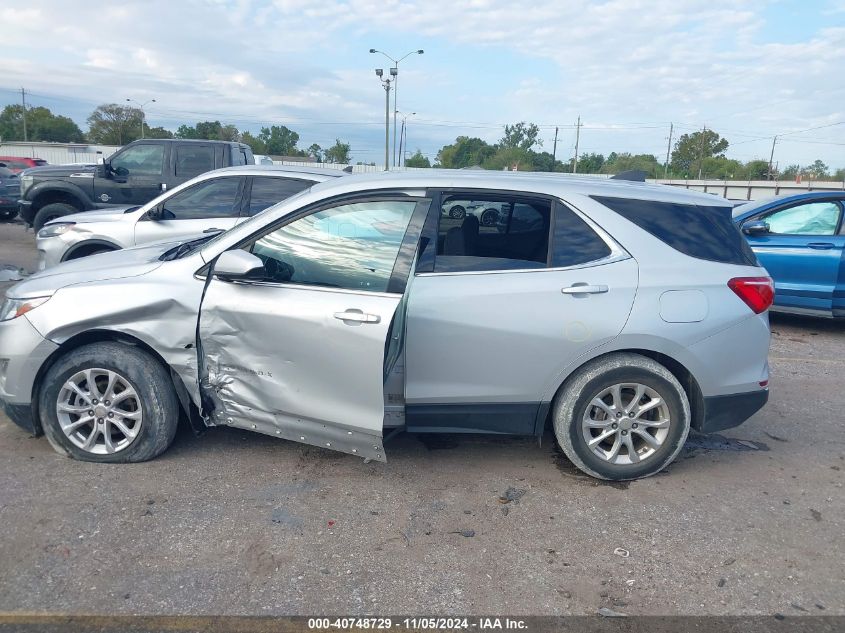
619,315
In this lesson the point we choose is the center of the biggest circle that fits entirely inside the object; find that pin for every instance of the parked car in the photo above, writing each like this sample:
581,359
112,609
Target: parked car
10,188
215,201
135,174
800,239
634,313
18,163
487,212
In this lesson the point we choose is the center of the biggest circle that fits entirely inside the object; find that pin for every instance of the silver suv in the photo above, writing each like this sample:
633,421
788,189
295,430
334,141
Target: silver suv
619,314
212,202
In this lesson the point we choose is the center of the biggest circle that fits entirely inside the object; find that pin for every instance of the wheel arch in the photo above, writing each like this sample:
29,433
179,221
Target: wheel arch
66,192
76,251
678,369
102,336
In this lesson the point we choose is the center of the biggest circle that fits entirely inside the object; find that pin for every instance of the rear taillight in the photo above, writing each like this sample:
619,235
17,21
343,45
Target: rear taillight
757,292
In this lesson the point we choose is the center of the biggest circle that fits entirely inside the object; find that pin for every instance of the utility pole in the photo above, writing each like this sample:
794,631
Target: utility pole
701,151
577,140
771,157
386,84
23,101
394,72
668,151
554,150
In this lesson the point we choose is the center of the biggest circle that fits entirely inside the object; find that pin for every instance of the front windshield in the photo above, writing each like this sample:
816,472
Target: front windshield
257,220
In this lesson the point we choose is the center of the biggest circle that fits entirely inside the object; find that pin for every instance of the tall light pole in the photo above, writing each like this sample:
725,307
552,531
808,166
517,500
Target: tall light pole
395,72
403,138
386,84
143,116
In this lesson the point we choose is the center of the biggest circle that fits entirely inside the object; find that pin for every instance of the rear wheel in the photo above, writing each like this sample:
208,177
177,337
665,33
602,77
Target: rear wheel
622,416
457,212
50,212
490,217
108,402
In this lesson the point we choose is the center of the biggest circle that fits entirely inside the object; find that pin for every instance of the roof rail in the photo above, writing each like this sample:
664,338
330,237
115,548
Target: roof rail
634,175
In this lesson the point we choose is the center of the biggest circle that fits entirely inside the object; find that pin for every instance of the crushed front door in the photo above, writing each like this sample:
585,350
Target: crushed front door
299,353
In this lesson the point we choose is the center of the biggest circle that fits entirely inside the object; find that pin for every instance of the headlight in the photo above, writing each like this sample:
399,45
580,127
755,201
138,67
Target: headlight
13,308
52,230
26,183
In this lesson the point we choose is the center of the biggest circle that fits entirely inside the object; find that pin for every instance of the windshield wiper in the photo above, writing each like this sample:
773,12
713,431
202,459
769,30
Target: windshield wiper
186,248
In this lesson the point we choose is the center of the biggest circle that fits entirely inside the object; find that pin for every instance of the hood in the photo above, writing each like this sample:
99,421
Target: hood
58,171
111,214
130,262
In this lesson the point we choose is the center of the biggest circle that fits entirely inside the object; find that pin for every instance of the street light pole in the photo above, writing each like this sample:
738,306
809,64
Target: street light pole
386,84
395,73
403,138
143,115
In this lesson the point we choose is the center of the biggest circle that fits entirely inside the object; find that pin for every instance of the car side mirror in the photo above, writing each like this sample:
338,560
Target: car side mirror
159,213
238,264
756,227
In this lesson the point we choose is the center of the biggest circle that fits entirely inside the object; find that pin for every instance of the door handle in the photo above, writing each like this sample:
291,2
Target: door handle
584,289
354,315
213,230
820,245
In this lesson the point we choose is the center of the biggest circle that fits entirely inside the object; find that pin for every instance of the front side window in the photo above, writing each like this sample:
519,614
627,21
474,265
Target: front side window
140,160
267,191
216,198
352,246
192,160
814,218
495,233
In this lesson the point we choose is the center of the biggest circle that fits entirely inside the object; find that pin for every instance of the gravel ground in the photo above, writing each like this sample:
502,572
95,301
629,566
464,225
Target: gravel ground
239,523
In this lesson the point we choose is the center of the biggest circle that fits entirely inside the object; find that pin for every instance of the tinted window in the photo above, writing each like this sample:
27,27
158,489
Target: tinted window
476,234
353,246
140,160
814,218
574,241
267,191
193,160
705,232
209,199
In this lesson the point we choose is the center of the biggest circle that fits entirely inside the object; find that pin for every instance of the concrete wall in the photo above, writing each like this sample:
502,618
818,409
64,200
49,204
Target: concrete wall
58,153
754,189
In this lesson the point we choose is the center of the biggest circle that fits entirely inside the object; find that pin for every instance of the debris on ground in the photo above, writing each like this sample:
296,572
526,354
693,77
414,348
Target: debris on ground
610,613
11,273
512,495
816,514
464,533
620,551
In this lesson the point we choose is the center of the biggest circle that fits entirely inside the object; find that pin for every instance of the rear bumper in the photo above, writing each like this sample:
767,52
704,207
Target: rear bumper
725,412
25,211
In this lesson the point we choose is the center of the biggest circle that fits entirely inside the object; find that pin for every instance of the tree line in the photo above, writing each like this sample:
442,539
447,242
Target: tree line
115,124
694,155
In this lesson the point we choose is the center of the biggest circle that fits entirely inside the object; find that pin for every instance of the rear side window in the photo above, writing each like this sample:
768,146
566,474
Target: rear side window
481,233
267,191
701,231
193,161
574,241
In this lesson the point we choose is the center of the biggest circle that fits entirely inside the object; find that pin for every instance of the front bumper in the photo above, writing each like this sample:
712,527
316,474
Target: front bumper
725,412
51,250
23,351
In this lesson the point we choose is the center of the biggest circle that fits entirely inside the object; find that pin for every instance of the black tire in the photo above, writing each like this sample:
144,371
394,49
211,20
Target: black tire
574,402
8,215
151,381
50,212
457,212
490,217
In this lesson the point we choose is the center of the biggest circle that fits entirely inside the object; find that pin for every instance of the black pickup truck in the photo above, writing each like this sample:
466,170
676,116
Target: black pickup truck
133,175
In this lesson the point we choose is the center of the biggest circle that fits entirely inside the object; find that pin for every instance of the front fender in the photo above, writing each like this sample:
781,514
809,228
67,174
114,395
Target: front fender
43,189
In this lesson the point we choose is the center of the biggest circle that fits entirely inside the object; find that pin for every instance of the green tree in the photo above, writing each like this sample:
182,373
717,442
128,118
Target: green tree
464,152
510,158
590,163
157,132
338,153
755,170
839,174
624,161
790,172
417,160
521,135
818,170
41,125
255,143
691,150
209,130
316,151
279,140
114,124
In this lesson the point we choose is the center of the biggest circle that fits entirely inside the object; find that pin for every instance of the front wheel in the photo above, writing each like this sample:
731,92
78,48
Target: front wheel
50,212
622,416
108,402
8,215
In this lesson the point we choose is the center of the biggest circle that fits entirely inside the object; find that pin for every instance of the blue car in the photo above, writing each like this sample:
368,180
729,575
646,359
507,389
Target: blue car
800,240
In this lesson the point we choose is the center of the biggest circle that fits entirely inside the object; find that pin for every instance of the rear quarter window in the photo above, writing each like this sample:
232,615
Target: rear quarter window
700,231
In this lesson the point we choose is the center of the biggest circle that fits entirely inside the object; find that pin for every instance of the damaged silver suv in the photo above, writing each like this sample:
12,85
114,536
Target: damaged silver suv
619,314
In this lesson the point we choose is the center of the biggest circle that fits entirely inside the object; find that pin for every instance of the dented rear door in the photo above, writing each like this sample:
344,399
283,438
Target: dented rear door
299,353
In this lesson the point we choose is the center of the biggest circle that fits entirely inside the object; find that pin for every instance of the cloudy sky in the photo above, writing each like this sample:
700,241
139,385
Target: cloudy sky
749,69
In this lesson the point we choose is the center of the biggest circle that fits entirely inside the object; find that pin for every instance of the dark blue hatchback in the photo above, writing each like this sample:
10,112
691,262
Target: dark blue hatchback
800,240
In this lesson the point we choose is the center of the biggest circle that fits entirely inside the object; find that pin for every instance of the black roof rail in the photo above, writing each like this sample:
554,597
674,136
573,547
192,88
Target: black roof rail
633,175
